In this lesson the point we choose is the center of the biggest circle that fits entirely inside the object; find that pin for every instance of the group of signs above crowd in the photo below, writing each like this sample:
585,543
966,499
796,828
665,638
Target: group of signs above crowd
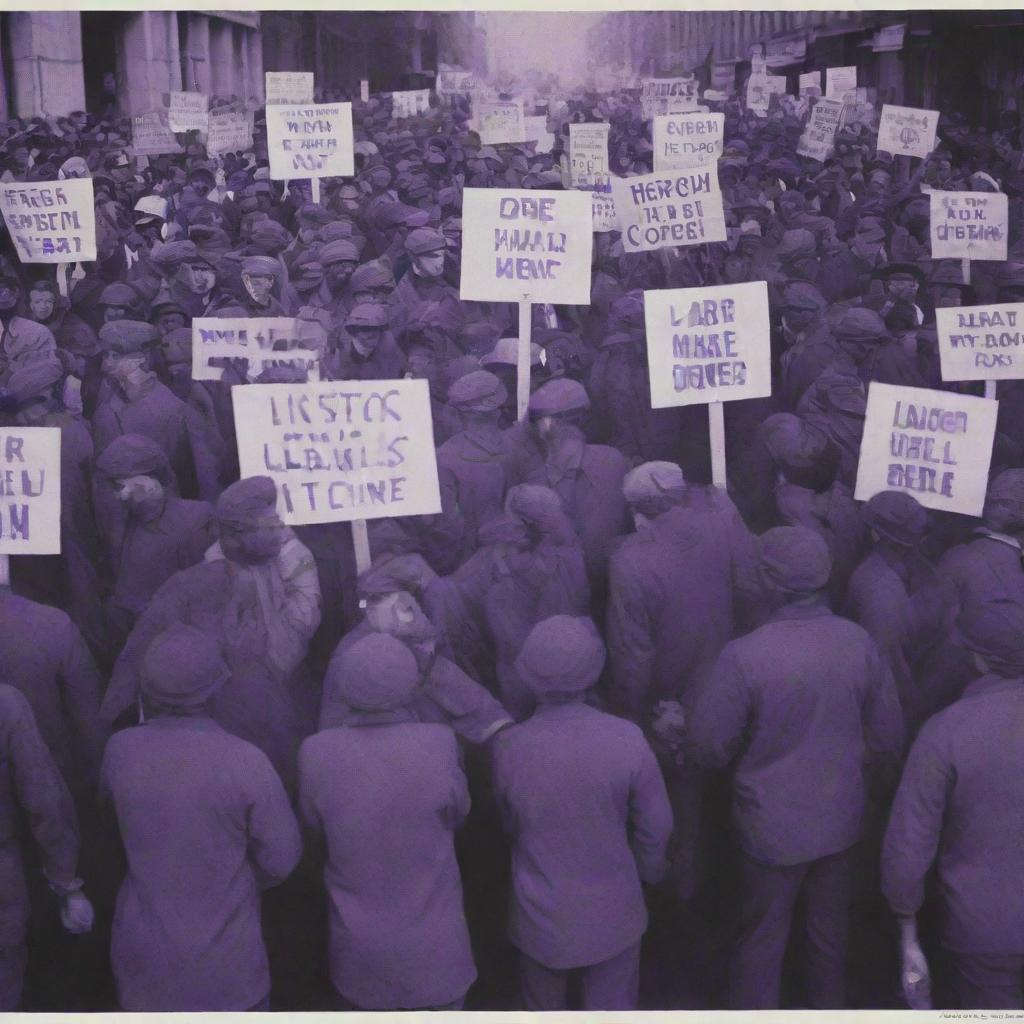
351,451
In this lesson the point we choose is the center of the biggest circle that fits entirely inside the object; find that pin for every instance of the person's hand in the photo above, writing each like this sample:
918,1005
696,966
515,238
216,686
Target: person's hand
915,977
76,913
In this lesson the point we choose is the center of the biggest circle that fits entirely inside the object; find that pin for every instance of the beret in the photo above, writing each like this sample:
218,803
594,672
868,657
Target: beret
368,314
896,516
169,254
995,630
506,353
424,240
557,396
268,234
477,391
795,559
127,336
261,266
653,482
132,455
247,502
371,275
861,324
377,673
34,380
562,655
183,667
339,250
118,294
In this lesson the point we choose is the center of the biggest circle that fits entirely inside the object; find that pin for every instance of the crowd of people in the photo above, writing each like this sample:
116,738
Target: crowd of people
236,771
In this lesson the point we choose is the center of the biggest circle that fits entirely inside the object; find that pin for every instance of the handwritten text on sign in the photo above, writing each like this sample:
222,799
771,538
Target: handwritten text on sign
311,142
230,131
340,450
188,111
969,225
152,136
840,81
51,221
819,136
498,122
982,342
531,244
410,103
588,154
602,207
907,131
261,341
30,491
708,344
454,83
667,96
658,210
810,84
289,87
935,445
687,140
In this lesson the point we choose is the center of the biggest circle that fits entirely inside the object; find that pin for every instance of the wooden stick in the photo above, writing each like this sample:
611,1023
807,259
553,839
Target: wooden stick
315,186
523,359
361,545
965,264
716,426
5,570
990,389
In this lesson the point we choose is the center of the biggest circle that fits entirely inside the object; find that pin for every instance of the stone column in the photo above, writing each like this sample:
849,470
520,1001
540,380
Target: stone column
149,60
46,57
197,59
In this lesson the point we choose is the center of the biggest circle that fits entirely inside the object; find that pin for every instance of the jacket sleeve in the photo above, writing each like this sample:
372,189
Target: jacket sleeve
469,708
275,845
721,711
882,715
81,693
915,825
203,444
457,806
631,645
650,815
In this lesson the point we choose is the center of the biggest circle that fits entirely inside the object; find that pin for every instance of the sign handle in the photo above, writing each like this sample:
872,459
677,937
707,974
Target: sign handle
965,265
990,389
523,359
315,188
716,426
5,570
361,545
63,276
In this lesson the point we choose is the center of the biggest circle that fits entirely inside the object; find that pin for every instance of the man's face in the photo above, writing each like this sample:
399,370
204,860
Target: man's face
118,365
255,544
201,186
380,295
113,313
339,272
799,319
258,286
365,339
398,614
429,264
199,278
167,322
8,295
42,305
138,491
878,184
902,288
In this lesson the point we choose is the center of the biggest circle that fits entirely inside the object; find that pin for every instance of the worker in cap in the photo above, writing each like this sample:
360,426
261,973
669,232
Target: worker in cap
187,932
820,704
503,362
960,795
568,754
902,283
365,349
53,311
425,281
809,345
194,281
873,352
119,302
155,533
339,258
398,933
372,282
946,286
846,272
797,254
260,277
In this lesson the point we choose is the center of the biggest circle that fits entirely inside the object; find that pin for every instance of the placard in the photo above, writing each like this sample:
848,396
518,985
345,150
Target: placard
708,344
152,136
781,52
188,111
602,208
230,131
455,83
760,89
981,342
840,81
588,154
687,140
410,103
340,450
537,132
51,221
261,341
30,509
810,84
907,131
499,121
526,244
968,225
819,134
289,88
311,142
934,445
889,38
667,96
659,210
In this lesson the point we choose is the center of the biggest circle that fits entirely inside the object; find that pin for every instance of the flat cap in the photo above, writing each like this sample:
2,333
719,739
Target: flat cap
132,455
562,655
34,380
795,559
339,251
653,482
368,314
127,336
183,667
559,396
423,240
478,391
261,266
247,502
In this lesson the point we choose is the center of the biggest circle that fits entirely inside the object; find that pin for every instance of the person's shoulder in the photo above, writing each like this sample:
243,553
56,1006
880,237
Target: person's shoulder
190,511
604,458
14,706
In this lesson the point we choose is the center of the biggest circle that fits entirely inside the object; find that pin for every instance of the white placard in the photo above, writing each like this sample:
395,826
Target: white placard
602,207
455,83
810,84
311,142
687,140
537,132
840,81
261,341
289,87
667,96
968,225
340,450
907,131
30,509
188,111
708,344
819,135
499,121
410,103
678,208
531,245
934,445
981,342
760,89
51,221
230,131
152,136
889,38
588,154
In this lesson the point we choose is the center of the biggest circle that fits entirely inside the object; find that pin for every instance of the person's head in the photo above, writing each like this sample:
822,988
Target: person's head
42,300
138,472
993,631
896,519
1004,503
377,674
803,305
201,181
794,563
426,247
176,349
372,282
478,395
125,345
421,364
902,281
652,489
869,237
798,253
181,670
167,317
557,406
366,325
251,531
339,260
390,590
259,274
802,454
860,330
878,183
561,659
10,292
198,275
34,390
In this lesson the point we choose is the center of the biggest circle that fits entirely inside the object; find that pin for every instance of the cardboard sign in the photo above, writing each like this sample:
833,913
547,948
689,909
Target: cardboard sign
455,83
934,445
289,87
526,244
708,344
588,154
667,96
499,121
188,111
840,81
602,208
781,52
687,140
30,509
152,136
760,89
311,142
969,225
537,132
810,84
889,38
260,341
230,131
819,136
906,131
51,221
676,208
981,342
410,103
340,450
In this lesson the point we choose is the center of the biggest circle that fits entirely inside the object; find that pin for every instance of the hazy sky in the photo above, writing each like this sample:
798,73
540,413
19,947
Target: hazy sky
547,41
